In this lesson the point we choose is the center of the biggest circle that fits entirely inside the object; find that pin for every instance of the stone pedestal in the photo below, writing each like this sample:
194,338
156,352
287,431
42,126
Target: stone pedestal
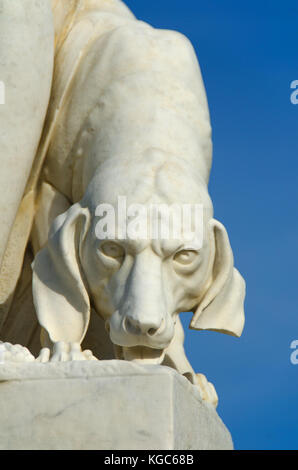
110,405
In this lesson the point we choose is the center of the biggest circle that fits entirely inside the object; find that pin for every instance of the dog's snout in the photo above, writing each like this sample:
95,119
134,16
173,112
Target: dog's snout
136,327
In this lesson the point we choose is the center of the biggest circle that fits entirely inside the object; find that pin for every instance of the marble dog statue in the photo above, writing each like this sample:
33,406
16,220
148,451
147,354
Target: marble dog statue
128,117
136,125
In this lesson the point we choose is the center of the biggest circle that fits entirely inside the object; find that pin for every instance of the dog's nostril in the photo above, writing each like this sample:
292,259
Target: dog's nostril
152,331
131,327
145,328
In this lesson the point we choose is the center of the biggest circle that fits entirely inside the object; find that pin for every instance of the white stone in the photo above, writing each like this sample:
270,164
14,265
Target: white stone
128,116
11,353
137,126
26,67
108,405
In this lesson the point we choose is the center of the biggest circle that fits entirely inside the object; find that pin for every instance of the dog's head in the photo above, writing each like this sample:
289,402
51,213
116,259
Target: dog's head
138,284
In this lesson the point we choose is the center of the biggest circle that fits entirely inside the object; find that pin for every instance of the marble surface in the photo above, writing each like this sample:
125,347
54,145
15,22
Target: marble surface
104,405
26,68
127,116
137,125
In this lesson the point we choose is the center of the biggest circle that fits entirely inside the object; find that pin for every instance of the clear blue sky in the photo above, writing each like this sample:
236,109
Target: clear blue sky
248,52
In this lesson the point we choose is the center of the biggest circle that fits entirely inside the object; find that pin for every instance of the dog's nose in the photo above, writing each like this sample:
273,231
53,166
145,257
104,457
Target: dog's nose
148,327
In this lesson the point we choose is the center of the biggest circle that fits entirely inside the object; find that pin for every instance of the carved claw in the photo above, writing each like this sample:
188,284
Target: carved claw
44,355
63,352
14,353
207,390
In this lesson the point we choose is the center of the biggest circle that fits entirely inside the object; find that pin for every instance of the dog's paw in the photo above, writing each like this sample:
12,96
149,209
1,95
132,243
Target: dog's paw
14,353
207,390
63,352
44,355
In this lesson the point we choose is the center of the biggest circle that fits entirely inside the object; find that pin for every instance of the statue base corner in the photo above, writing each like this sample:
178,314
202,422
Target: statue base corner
104,405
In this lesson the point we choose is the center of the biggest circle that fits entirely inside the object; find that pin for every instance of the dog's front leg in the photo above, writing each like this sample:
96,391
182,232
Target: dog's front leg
62,352
176,358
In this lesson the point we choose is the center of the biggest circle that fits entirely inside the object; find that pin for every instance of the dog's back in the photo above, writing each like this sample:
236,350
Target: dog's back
120,88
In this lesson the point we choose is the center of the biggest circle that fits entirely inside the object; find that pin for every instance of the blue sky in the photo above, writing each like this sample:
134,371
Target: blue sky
248,56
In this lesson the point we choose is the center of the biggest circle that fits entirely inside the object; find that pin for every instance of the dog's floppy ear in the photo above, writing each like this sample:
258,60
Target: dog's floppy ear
59,292
221,308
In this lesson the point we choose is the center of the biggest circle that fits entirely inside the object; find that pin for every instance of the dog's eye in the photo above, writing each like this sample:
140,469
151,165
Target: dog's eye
113,250
185,256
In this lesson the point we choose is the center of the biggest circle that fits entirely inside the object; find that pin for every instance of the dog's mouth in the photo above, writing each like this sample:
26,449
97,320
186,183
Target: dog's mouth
143,354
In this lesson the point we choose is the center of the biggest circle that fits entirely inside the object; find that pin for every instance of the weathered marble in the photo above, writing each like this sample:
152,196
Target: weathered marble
26,67
137,126
104,405
127,116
